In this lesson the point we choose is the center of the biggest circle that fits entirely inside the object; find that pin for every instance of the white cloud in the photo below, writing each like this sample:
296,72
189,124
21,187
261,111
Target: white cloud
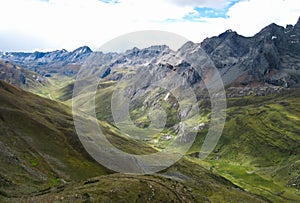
217,4
73,23
249,17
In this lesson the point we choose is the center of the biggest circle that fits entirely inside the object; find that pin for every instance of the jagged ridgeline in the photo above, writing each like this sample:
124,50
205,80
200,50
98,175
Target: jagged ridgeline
258,153
271,56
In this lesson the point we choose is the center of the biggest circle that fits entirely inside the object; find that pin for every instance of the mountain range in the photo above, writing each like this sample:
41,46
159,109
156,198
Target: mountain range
255,160
269,57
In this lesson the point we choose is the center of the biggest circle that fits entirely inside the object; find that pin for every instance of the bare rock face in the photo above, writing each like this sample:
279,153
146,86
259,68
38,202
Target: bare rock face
272,56
21,77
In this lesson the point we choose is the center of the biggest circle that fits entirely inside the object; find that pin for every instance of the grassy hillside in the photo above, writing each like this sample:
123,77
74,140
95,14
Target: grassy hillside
260,147
39,147
42,160
183,182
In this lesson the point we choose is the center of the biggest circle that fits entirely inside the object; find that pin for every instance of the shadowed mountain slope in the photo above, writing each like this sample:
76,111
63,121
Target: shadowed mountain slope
21,77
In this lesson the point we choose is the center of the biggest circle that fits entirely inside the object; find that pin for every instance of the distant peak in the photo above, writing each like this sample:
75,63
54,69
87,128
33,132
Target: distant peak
158,47
151,48
272,26
271,29
60,51
298,23
188,45
227,33
83,50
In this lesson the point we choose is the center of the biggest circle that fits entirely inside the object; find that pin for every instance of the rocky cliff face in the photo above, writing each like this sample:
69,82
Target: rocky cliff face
272,56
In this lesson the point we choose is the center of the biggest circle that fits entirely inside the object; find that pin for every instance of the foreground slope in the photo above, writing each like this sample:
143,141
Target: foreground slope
183,182
39,147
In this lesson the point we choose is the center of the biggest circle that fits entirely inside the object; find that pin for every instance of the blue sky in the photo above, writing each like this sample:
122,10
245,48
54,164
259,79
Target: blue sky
55,24
208,12
110,1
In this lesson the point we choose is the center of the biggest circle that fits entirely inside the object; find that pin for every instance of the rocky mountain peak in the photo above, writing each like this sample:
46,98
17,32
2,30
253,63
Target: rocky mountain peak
82,50
298,23
271,30
146,53
271,56
188,45
158,47
155,50
228,33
